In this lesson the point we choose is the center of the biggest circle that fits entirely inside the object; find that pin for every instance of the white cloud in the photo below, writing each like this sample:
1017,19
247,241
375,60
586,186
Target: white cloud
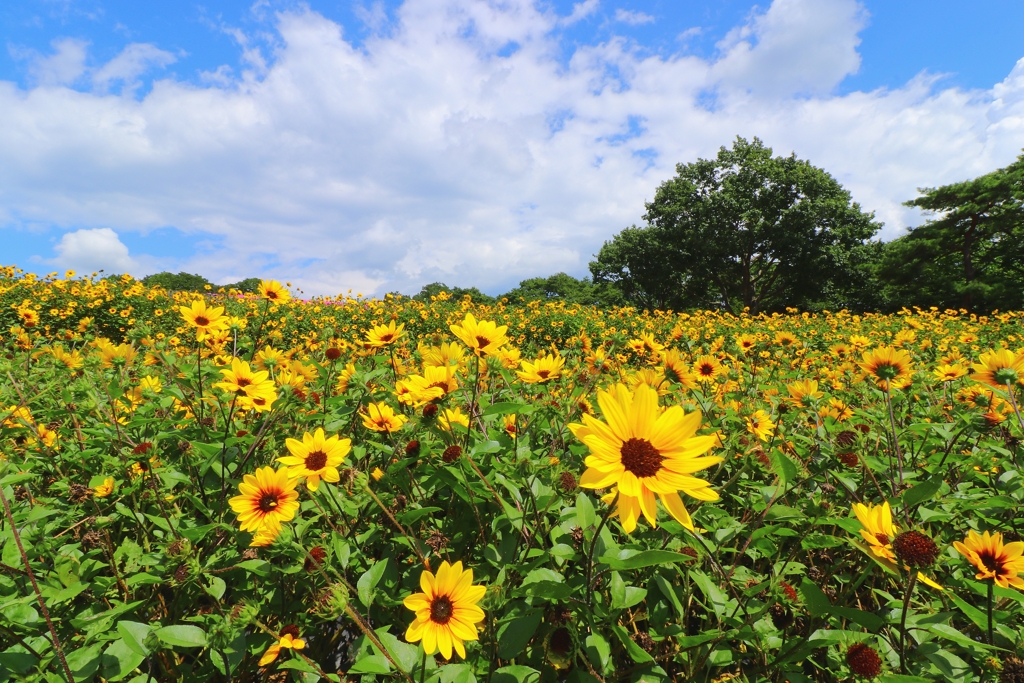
93,250
634,18
135,60
423,155
63,67
580,10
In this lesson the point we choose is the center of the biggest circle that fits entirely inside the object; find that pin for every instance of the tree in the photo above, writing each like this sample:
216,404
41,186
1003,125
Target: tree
969,255
558,287
249,285
182,282
435,288
742,230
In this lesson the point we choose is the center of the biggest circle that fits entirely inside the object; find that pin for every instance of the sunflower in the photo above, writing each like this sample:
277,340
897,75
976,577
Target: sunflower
785,339
745,342
890,367
484,337
446,610
315,457
708,368
380,417
241,381
104,489
265,500
994,560
453,417
509,357
287,641
447,354
272,290
205,320
269,358
999,368
650,377
72,360
760,425
878,528
643,450
646,344
676,370
803,392
544,369
29,318
380,336
949,373
435,383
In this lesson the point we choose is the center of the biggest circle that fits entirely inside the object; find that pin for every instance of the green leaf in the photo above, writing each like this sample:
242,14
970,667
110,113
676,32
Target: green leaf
407,656
817,603
18,662
599,652
368,582
509,408
636,653
623,596
257,567
784,468
182,635
666,589
979,618
414,515
119,660
949,633
134,635
924,491
585,515
712,592
85,662
515,674
216,588
871,622
371,664
630,559
516,634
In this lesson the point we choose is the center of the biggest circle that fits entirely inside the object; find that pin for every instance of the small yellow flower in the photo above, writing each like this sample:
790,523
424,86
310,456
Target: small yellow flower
104,489
288,642
377,474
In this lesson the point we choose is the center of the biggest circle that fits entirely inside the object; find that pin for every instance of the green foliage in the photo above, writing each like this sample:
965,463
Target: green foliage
743,230
558,287
249,285
182,282
435,288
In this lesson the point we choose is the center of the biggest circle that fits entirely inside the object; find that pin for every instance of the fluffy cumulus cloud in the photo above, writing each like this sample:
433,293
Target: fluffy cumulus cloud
93,250
457,144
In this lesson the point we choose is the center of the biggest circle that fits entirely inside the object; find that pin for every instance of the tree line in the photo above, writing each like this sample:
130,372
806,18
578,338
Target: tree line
750,231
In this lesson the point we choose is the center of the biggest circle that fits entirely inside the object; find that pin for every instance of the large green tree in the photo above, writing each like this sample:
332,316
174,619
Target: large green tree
743,230
969,254
558,287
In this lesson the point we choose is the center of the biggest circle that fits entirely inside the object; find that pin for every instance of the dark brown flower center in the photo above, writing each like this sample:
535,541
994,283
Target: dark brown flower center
882,538
706,370
543,374
316,460
640,457
268,503
202,321
990,561
482,341
243,381
441,609
443,386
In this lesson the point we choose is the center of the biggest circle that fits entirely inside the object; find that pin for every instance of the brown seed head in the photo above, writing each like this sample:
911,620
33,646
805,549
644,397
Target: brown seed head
915,549
567,482
863,660
452,453
412,449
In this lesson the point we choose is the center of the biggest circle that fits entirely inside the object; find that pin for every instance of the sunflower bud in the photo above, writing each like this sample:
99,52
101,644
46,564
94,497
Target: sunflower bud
451,454
331,602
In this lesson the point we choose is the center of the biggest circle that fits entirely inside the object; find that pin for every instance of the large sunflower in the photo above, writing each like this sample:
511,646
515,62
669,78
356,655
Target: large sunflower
265,499
256,387
544,369
999,368
384,335
446,610
204,319
272,290
484,337
890,367
380,417
994,560
644,449
316,457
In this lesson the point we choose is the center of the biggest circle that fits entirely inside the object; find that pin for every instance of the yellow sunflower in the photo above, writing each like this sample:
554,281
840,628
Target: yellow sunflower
994,560
707,369
256,387
204,319
878,528
265,499
544,369
380,417
890,367
287,641
999,368
483,337
645,449
803,392
315,457
746,342
380,336
675,369
760,425
949,373
446,610
272,290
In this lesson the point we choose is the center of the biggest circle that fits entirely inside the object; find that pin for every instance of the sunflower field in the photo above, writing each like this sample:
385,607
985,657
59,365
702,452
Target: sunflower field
253,487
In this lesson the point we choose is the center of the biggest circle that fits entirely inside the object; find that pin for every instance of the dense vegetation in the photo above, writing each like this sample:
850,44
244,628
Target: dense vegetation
224,486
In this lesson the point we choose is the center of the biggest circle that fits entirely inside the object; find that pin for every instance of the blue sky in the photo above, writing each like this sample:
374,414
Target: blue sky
307,142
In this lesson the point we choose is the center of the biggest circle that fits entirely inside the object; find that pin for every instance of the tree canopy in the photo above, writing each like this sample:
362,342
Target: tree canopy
743,230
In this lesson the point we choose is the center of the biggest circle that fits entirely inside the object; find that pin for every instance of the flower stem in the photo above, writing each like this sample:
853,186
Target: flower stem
903,619
593,545
991,586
